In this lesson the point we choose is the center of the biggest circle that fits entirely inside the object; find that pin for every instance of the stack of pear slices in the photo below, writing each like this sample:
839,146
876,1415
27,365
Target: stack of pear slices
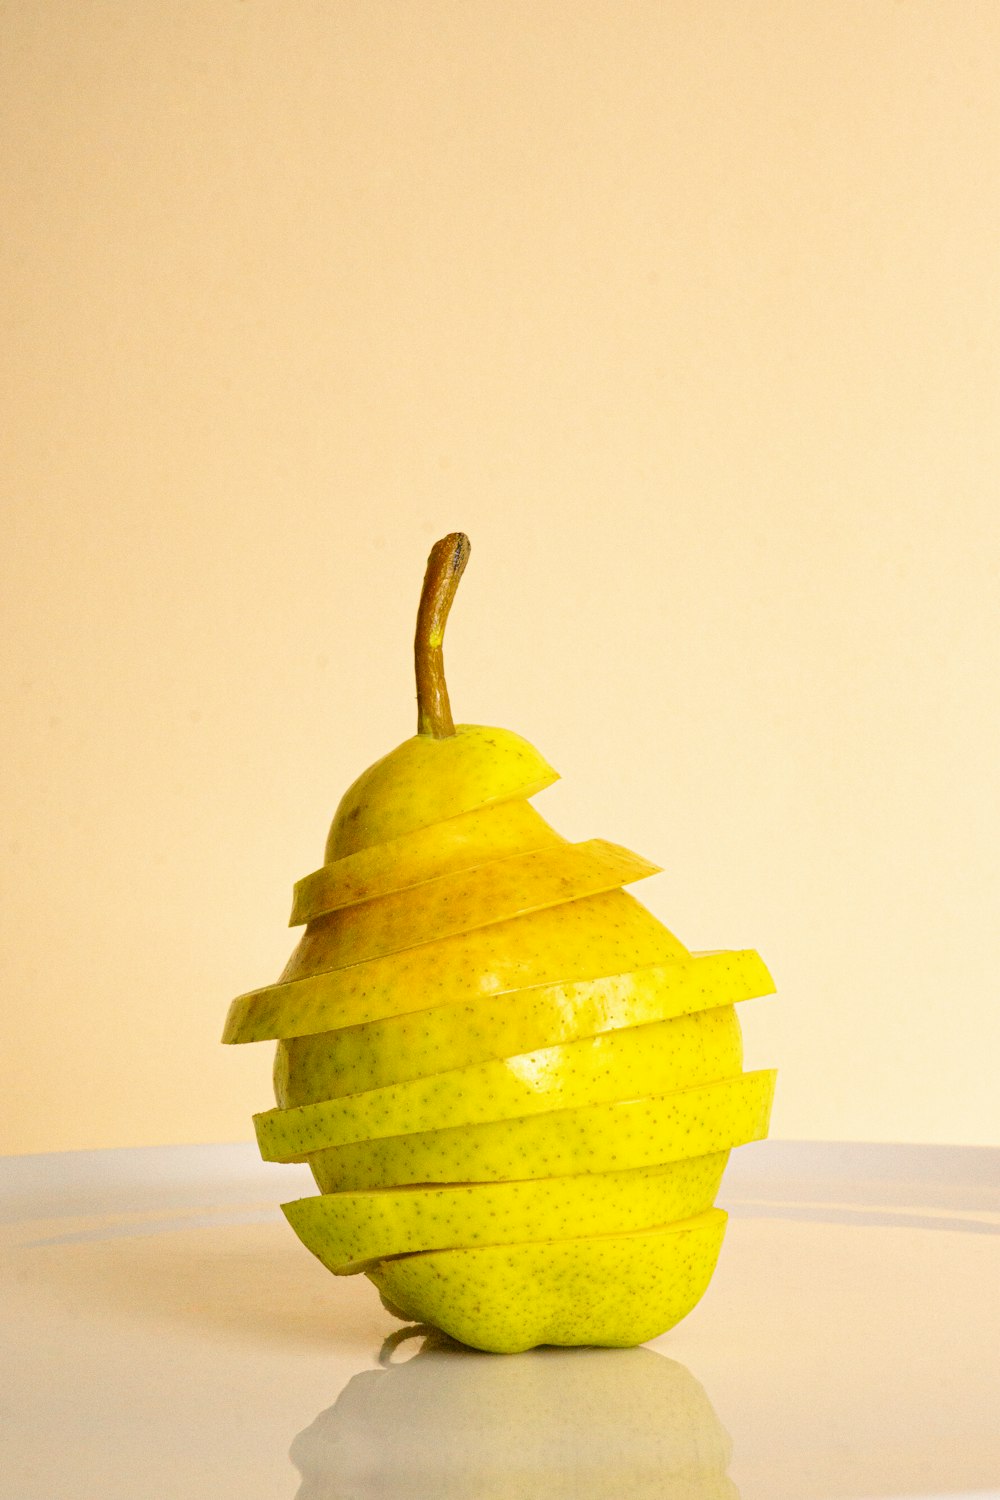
516,1090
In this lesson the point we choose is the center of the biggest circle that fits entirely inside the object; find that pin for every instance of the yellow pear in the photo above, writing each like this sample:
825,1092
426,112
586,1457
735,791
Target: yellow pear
515,1088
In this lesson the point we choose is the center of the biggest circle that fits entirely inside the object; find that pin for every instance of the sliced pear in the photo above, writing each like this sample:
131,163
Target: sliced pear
591,1138
346,1231
616,1290
377,1053
604,934
626,1064
462,901
425,780
457,844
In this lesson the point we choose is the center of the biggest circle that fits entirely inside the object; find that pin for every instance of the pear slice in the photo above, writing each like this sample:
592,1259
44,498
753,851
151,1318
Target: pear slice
457,844
615,1289
426,779
590,1138
630,1063
347,1231
377,1053
462,901
604,934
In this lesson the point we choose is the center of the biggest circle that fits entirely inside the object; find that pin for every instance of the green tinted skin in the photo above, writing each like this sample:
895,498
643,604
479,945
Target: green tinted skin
609,933
377,1053
350,1231
592,1138
615,1290
464,901
630,1063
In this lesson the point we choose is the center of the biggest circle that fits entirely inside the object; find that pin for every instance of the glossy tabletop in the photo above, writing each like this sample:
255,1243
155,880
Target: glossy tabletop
166,1335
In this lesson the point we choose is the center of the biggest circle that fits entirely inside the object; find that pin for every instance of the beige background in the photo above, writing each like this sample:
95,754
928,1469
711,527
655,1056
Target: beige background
688,314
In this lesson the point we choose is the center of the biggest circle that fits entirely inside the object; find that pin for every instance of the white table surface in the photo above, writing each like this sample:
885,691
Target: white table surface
165,1335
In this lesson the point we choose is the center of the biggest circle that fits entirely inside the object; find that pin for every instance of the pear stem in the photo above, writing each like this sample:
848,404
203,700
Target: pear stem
445,567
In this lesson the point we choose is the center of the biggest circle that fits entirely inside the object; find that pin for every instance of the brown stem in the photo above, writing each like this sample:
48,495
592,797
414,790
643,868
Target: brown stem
445,567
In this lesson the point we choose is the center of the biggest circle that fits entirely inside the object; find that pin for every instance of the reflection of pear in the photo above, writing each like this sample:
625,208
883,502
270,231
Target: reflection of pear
553,1424
476,1003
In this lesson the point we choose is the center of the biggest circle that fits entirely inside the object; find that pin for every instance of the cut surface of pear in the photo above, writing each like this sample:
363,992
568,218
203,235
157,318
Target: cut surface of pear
377,1053
630,1063
605,934
591,1138
346,1231
463,901
615,1290
426,780
457,844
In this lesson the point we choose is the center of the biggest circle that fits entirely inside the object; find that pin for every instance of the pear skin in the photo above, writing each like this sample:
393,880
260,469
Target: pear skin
614,1290
463,901
591,1138
457,844
426,780
630,1063
605,934
348,1231
376,1053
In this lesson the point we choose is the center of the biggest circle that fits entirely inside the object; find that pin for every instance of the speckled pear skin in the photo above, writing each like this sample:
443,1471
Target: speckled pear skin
459,843
425,1042
463,901
628,1063
349,1231
606,1289
592,1137
586,938
515,1088
426,780
592,936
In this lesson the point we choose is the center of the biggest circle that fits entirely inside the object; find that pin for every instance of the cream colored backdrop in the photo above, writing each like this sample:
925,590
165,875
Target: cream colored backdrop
688,314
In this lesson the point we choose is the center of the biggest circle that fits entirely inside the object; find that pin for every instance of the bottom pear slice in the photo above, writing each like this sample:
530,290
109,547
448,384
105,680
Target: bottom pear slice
592,1138
347,1230
615,1290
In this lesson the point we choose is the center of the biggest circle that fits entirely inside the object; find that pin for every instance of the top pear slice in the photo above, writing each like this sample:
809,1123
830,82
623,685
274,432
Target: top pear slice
425,780
442,771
